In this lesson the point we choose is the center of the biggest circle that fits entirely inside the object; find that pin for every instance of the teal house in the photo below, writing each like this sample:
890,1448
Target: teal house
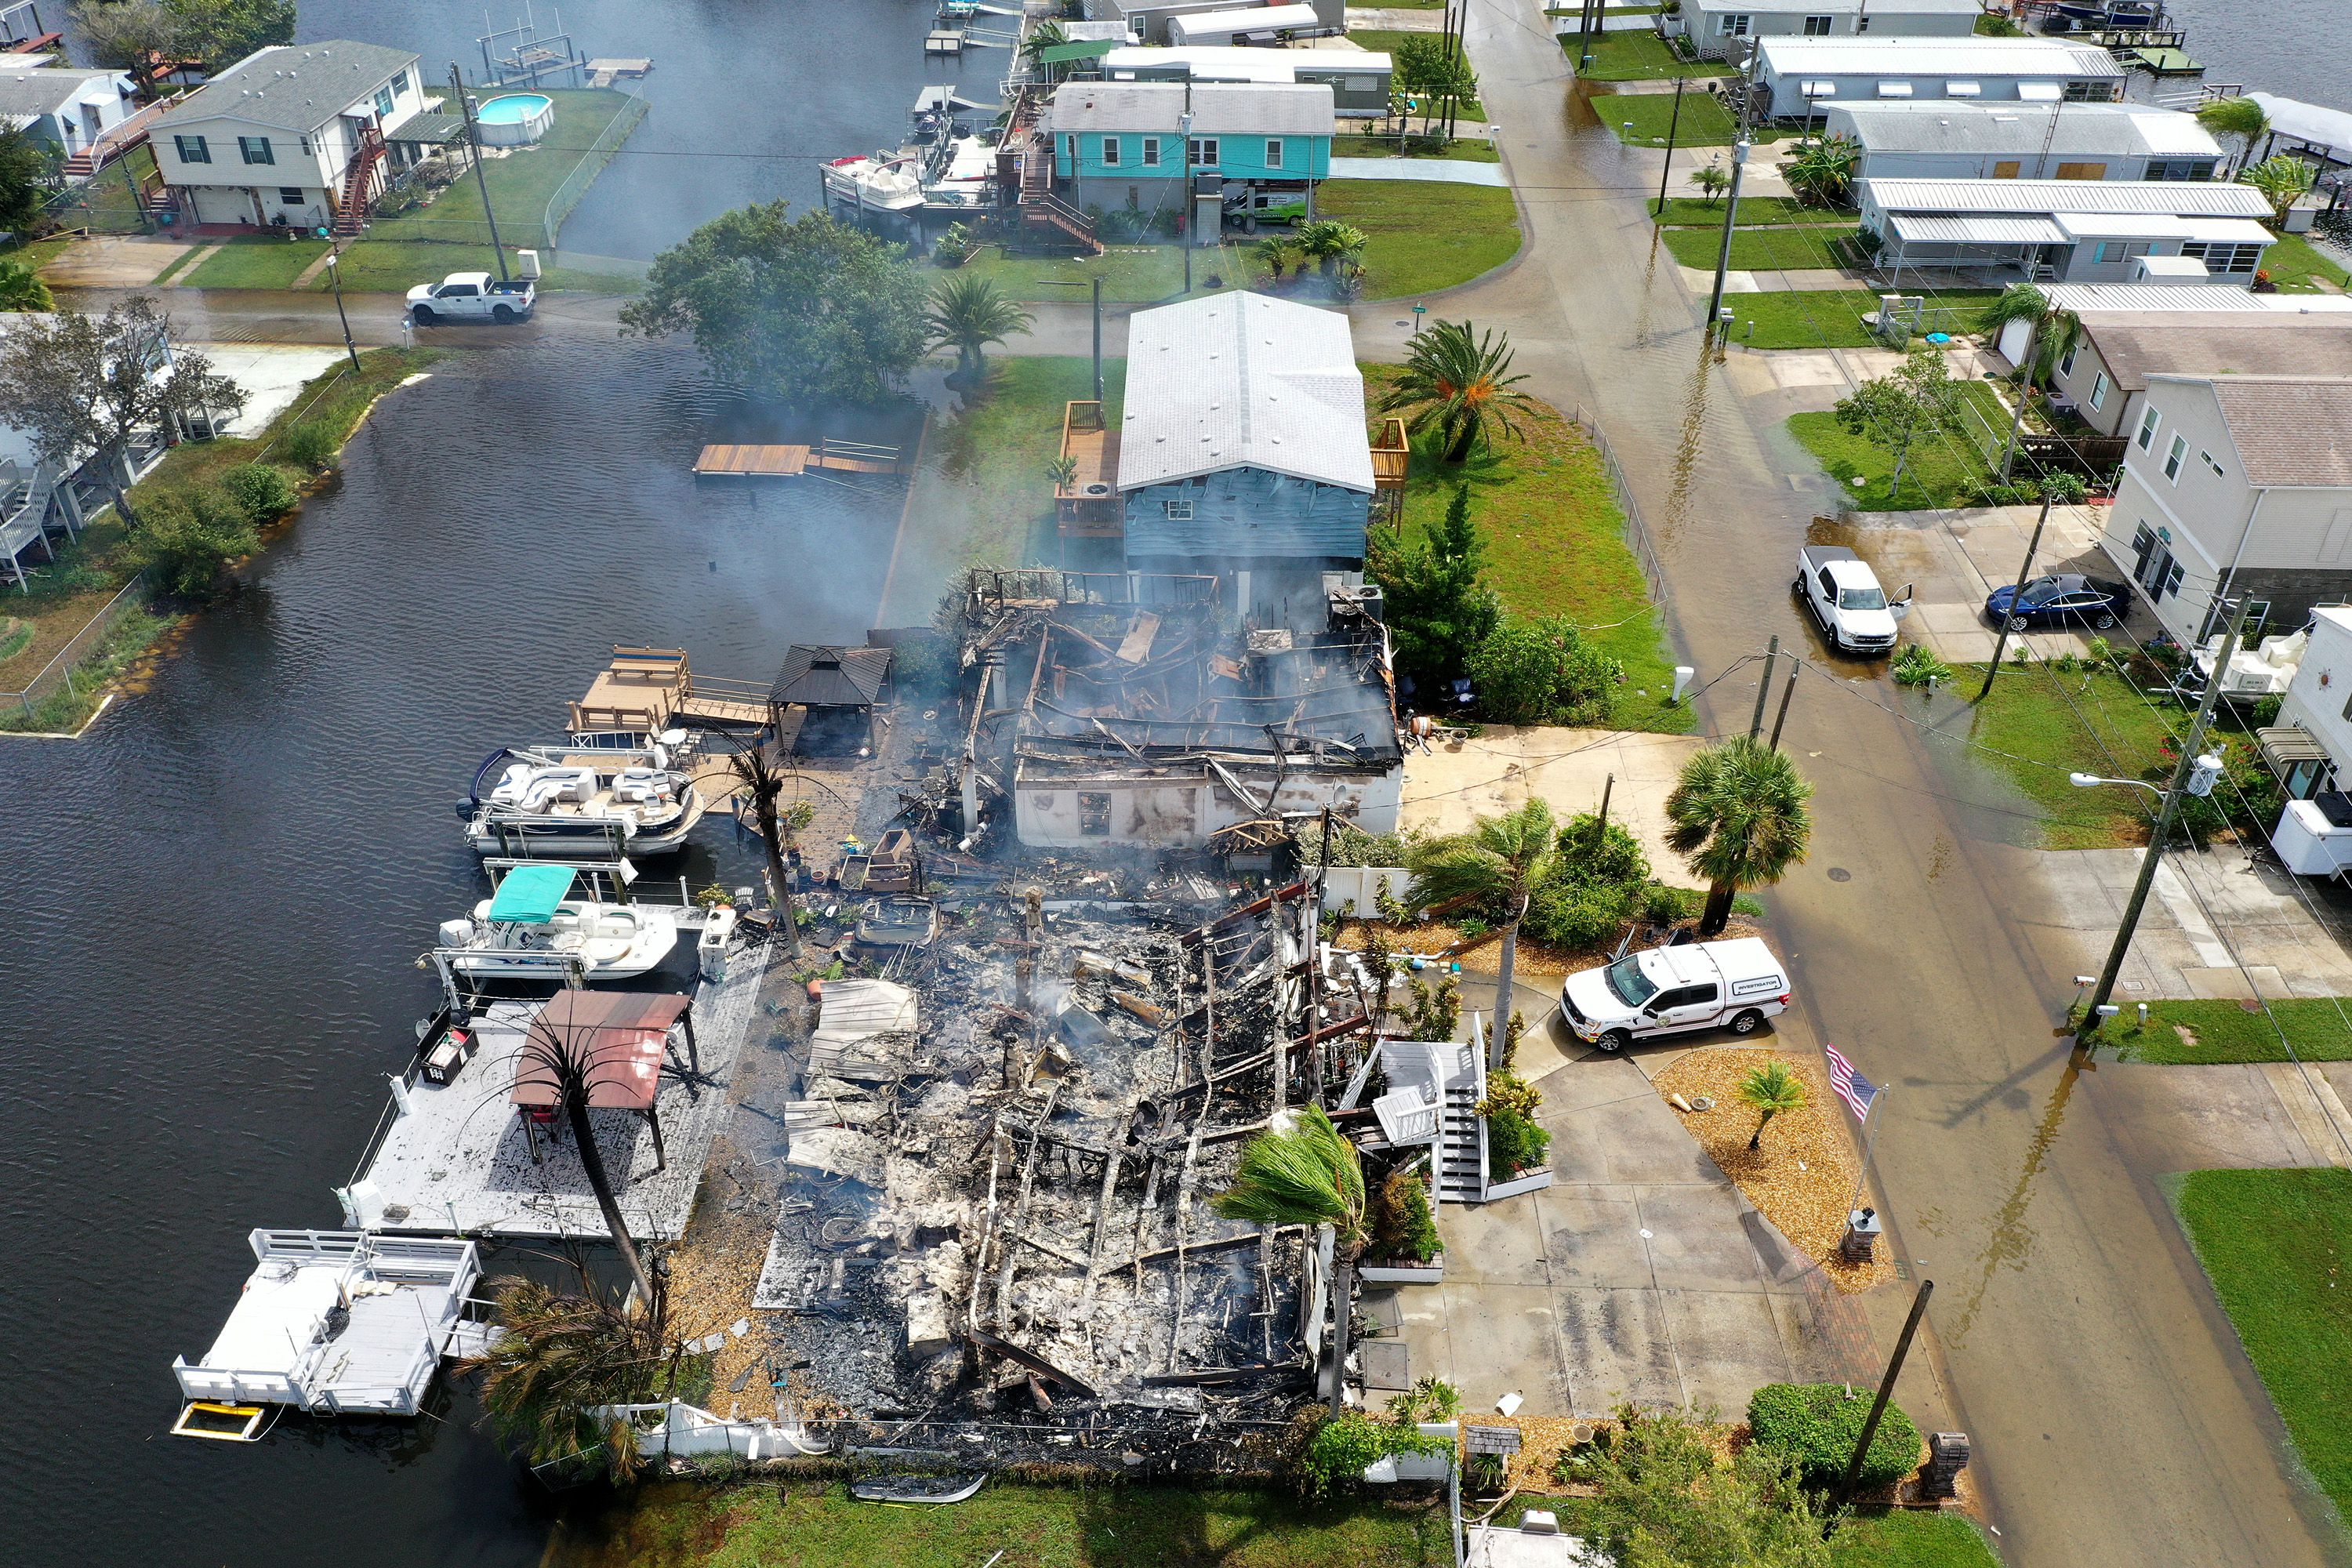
1174,147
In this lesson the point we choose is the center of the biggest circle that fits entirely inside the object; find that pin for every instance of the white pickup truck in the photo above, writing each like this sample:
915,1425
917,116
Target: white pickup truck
1843,592
1736,984
472,297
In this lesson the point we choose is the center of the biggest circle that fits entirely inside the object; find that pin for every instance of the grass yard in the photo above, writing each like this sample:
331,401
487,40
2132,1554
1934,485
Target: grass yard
2276,1245
375,265
1755,212
2088,720
1817,318
990,462
2204,1031
1461,149
1424,236
819,1525
2298,269
1388,40
1757,249
1131,274
1555,544
1903,1537
1639,55
520,184
1643,119
1941,471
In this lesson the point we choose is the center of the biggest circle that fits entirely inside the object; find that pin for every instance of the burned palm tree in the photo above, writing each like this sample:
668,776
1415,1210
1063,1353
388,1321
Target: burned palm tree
560,1365
561,1055
1311,1175
763,781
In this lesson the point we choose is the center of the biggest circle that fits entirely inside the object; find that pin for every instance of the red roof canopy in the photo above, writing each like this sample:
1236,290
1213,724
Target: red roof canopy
618,1037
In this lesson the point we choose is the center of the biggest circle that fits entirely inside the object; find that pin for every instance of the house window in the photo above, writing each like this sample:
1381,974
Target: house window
1152,151
2006,169
2066,365
2179,450
1735,26
2224,256
2218,471
1816,27
255,150
1110,151
1862,24
2098,391
306,146
383,99
1273,152
1178,510
1093,813
290,195
192,149
1204,152
2148,424
2119,250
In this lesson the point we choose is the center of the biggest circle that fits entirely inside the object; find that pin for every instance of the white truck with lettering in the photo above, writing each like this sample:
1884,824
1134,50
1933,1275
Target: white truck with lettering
1735,985
1843,592
472,297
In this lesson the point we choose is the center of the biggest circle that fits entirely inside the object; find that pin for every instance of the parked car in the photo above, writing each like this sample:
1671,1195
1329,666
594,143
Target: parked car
1735,985
2054,601
472,297
1843,592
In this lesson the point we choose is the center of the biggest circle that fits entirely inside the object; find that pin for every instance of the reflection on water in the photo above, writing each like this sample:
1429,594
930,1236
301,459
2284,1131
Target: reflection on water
215,899
2011,1238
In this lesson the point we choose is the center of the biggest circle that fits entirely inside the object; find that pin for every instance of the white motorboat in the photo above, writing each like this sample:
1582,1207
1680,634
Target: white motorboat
529,930
885,181
586,800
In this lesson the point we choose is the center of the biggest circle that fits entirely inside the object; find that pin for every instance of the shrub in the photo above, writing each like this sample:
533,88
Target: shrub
1514,1142
1542,672
1402,1224
2266,712
1915,665
1597,876
954,245
923,667
1663,906
1431,1015
1431,1399
1573,915
186,538
1818,1424
309,445
1337,1455
262,489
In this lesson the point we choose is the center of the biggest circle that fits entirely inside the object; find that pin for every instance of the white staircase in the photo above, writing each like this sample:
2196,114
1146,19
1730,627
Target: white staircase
1461,1134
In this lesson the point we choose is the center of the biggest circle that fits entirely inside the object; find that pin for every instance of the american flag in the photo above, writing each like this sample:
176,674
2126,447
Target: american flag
1850,1086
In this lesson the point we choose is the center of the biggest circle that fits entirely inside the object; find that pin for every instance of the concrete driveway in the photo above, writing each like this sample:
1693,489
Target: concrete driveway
1953,558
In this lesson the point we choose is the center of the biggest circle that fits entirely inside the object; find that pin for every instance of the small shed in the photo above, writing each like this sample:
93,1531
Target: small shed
836,688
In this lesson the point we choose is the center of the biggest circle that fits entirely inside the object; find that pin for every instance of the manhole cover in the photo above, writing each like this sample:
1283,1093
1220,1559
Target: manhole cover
1840,874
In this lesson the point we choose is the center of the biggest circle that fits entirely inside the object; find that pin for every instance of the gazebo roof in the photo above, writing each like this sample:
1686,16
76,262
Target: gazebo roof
829,677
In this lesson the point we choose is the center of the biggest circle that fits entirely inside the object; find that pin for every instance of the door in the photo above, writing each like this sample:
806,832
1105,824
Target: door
2157,571
1686,1007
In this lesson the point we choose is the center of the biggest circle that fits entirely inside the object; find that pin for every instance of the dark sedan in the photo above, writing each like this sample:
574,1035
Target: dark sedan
2093,601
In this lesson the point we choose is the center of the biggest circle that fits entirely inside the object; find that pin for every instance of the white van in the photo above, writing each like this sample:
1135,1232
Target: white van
1674,990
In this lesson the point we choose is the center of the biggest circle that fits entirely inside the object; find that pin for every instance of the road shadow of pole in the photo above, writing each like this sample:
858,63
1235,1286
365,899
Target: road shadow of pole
2011,1241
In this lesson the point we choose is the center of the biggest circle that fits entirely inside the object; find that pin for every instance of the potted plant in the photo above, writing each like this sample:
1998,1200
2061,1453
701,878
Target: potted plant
1404,1249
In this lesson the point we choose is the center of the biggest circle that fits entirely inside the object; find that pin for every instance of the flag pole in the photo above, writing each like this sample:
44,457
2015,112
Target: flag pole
1870,1121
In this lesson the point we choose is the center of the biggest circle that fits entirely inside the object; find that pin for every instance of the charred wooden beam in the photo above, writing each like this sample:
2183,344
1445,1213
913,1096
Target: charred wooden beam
1031,1360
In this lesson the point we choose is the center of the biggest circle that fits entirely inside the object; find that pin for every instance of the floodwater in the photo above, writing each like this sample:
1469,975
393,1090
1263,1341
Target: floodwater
213,902
2272,46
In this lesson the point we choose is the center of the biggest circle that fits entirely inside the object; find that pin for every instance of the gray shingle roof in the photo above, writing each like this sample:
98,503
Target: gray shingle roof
295,87
1219,109
2290,431
44,91
2112,129
2136,346
1243,381
825,677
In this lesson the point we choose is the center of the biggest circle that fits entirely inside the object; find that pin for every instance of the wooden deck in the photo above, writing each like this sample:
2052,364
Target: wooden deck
1089,506
789,461
655,688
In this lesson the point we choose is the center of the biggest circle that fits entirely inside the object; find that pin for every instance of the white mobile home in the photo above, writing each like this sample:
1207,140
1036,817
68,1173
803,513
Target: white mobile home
1718,29
1359,79
1798,78
1947,140
68,108
2070,231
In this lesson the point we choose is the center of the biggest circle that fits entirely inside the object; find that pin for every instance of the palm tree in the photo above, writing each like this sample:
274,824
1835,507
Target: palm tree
1711,180
2241,118
969,312
763,781
2282,179
558,1359
1499,861
1307,1175
566,1053
2051,336
1769,1091
1458,382
1822,173
1046,34
1737,815
1327,242
1273,253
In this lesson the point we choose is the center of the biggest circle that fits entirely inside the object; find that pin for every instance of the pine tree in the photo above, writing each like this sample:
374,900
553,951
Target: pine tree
1438,609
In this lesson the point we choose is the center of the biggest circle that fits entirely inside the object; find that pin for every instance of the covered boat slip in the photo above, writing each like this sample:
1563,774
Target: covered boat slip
335,1324
481,1155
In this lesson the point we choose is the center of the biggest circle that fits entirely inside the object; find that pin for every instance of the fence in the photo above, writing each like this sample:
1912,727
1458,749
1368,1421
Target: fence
1637,532
591,163
111,201
59,671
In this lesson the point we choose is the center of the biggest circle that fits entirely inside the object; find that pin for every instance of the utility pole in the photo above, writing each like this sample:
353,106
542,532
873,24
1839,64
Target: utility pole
1764,687
1673,128
481,180
2164,819
1885,1390
1188,283
2025,576
1731,208
1782,718
335,277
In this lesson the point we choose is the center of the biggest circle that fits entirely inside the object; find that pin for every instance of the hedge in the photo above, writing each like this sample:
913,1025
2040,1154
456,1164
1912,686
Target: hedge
1818,1424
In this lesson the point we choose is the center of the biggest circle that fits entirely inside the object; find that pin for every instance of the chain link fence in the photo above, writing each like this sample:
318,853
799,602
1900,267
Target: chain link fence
58,675
591,163
1637,532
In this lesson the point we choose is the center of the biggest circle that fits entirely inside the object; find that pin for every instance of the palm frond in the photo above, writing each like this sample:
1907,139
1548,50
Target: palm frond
1737,815
1308,1176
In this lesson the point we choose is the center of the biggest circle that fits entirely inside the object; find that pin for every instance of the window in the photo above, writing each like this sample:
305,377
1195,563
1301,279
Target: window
2148,424
2119,250
2221,255
1152,151
1273,152
2218,471
1110,151
1204,152
306,146
383,99
1735,26
1093,813
2098,391
2090,91
1816,27
2082,170
290,195
1862,24
2172,456
2180,168
2066,365
255,150
1178,510
192,149
2006,169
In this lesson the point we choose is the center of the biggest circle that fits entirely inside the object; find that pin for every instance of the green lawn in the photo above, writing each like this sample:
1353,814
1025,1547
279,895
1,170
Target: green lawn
2040,724
1816,318
521,182
1757,249
2297,268
2276,1244
1555,545
1461,149
1941,471
374,266
1643,119
1637,56
1697,212
2206,1031
818,1525
1424,236
990,460
1906,1539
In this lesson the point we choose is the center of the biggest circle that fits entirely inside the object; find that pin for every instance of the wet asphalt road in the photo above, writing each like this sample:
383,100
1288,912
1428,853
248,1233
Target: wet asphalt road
2115,1421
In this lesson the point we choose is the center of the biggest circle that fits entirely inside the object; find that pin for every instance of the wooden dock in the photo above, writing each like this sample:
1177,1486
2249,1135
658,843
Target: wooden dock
789,461
649,689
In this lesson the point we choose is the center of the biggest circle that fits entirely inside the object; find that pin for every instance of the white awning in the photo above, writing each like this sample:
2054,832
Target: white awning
1820,89
1894,89
2039,91
1963,90
1914,228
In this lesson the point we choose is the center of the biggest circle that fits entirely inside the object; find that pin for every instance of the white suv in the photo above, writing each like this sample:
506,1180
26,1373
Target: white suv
1675,990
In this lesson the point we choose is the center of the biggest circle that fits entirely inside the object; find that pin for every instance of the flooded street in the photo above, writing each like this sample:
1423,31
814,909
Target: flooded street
215,899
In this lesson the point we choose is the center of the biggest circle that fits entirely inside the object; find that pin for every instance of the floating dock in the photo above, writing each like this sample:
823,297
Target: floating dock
789,461
646,690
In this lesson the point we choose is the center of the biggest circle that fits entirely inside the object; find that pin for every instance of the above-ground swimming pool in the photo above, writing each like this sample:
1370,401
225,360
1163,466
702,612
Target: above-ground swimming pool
516,120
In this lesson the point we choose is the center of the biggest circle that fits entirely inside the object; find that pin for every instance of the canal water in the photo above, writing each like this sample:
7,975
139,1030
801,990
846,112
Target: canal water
2296,50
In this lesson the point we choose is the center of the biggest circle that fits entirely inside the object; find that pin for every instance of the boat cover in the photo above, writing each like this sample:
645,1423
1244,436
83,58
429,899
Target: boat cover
531,894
